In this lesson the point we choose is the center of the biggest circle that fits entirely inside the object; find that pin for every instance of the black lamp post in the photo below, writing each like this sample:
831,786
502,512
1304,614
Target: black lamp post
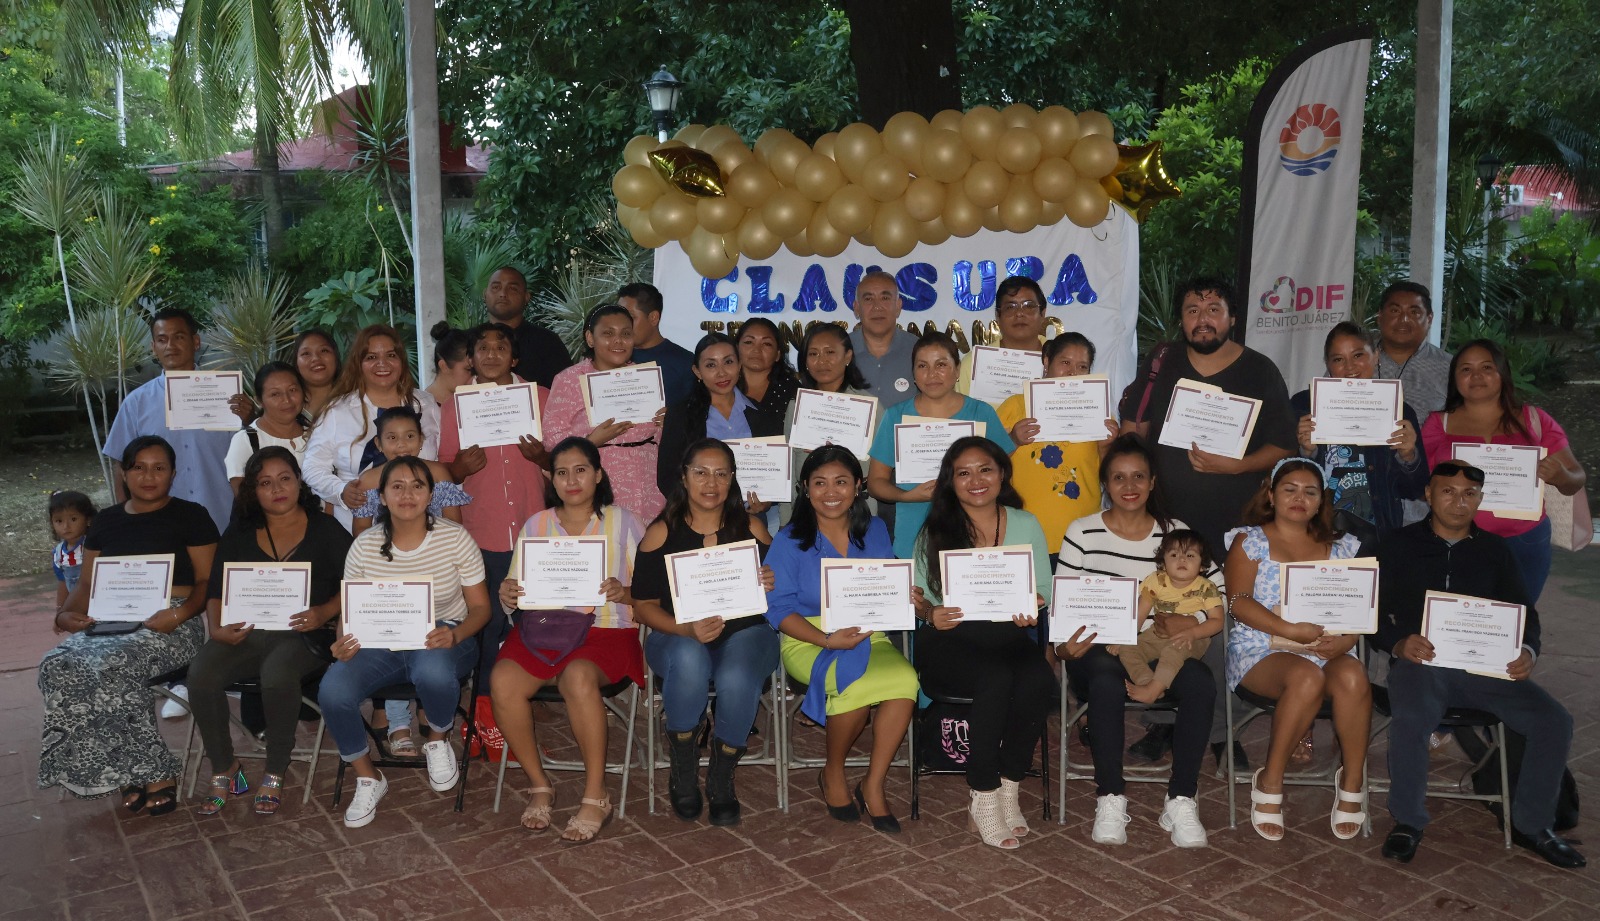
662,90
1489,170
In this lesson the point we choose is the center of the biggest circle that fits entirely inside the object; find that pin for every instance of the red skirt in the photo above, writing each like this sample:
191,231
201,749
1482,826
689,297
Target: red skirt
614,650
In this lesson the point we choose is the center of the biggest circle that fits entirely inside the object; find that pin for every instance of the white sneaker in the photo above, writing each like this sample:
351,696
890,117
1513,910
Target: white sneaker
442,767
1111,819
172,710
364,802
1181,816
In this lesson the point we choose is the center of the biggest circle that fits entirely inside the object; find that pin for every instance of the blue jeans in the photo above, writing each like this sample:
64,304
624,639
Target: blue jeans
737,665
1532,553
436,674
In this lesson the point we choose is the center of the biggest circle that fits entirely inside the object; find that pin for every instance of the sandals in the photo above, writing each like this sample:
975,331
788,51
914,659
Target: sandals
269,795
579,830
404,746
133,798
537,816
984,817
162,801
1339,816
222,787
1261,821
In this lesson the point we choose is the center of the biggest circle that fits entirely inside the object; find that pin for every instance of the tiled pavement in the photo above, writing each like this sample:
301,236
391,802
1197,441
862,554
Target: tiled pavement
66,859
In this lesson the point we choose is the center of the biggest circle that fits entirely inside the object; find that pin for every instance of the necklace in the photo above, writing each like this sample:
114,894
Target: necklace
276,556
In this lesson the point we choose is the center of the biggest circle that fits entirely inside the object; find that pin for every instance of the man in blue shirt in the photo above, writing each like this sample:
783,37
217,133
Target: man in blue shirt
643,302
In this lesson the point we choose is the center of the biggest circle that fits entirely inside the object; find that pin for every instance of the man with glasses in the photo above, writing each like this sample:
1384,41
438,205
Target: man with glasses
1405,315
1446,552
1019,311
882,349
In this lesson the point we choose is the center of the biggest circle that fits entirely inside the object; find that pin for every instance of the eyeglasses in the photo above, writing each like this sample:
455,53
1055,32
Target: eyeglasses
702,474
1457,468
1018,307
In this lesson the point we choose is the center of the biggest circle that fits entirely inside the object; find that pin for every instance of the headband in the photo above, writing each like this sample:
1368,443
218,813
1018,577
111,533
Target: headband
1295,460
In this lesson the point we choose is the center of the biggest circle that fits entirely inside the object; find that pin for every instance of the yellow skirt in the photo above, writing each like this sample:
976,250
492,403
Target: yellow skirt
888,676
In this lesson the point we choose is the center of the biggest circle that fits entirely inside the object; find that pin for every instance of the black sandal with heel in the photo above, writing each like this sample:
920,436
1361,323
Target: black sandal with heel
162,801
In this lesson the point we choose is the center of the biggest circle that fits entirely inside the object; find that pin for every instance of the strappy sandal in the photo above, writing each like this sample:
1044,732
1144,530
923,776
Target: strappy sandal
269,795
222,787
537,816
133,798
163,801
1261,821
1339,816
404,746
581,830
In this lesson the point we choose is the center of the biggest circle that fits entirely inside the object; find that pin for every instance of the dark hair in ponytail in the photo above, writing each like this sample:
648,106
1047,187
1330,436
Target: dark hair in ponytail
417,466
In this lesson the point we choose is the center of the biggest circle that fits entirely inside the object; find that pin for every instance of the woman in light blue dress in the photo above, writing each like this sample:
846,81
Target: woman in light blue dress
1296,664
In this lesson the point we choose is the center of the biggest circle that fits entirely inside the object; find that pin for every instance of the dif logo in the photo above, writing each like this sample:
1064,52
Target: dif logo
1285,296
1309,140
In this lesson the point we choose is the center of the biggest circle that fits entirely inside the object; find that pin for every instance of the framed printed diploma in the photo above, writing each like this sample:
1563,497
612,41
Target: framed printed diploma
489,415
1106,607
633,393
1478,635
765,468
558,573
1216,421
1511,484
920,445
130,588
264,595
992,583
199,400
722,581
383,614
843,419
999,374
1069,408
1355,411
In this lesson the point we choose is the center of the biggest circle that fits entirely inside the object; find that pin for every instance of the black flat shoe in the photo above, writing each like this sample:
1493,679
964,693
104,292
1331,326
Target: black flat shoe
163,801
885,823
133,798
846,813
1552,847
1402,843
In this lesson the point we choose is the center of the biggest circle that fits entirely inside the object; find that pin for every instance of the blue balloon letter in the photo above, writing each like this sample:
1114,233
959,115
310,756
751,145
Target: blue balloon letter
761,290
814,293
714,303
1030,266
961,285
1073,283
916,282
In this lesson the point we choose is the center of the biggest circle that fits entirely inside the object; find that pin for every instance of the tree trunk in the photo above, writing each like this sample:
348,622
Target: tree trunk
271,190
904,52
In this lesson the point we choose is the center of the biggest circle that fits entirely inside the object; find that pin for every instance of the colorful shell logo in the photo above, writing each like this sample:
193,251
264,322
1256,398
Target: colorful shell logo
1275,301
1310,140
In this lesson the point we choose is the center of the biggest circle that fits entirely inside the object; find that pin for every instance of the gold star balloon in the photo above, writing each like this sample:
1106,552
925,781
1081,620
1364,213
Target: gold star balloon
688,170
1140,181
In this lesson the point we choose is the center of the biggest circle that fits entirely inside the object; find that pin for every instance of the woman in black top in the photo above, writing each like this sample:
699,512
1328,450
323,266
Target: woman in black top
715,408
768,380
703,510
99,729
280,521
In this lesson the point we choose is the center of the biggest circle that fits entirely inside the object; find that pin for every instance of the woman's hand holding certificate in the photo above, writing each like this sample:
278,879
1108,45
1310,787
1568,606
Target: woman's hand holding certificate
491,415
1355,411
1340,596
868,594
1069,408
628,394
1104,607
1208,418
387,614
561,573
993,583
842,419
722,581
1478,635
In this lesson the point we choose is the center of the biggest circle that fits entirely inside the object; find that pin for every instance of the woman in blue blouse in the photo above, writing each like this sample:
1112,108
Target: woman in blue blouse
715,408
847,671
935,364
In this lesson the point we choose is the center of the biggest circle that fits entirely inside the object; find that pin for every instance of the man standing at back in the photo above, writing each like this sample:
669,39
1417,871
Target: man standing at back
541,352
1405,316
882,349
643,302
1208,491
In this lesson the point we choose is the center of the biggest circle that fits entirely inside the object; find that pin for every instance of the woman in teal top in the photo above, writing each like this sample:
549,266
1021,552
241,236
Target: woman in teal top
935,364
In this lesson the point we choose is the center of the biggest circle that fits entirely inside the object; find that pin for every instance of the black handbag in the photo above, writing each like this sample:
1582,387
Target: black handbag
558,632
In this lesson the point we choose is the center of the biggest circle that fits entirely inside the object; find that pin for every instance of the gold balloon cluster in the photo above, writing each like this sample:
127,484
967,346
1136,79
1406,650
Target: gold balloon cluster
916,181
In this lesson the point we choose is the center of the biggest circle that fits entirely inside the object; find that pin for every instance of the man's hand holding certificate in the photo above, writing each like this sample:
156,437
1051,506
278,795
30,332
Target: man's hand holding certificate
388,614
561,573
264,595
1478,635
130,588
489,415
866,594
1208,418
1355,411
843,419
999,374
1103,607
633,393
920,445
1511,484
1340,596
722,581
1069,408
992,583
199,400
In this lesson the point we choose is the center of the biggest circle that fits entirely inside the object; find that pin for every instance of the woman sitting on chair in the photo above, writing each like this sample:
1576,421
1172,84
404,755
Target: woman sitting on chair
578,503
407,543
1295,664
848,671
1000,666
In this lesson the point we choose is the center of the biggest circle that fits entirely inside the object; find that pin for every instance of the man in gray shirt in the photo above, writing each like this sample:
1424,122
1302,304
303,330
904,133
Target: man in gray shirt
1404,353
882,349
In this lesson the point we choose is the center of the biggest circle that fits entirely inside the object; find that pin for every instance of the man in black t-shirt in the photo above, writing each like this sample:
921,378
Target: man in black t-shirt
541,354
1208,491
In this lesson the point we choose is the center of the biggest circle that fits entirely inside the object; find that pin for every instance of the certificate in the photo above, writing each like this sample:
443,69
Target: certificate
130,588
1105,606
489,415
1475,634
722,581
1511,484
765,467
264,595
1203,415
1069,408
998,374
843,419
1355,411
920,445
629,394
558,573
994,583
1340,596
388,614
199,400
870,594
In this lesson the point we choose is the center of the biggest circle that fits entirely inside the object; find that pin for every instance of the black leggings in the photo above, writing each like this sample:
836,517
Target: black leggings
1002,668
1098,678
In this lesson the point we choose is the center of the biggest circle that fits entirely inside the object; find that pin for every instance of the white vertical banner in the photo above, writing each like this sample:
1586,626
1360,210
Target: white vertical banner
1090,278
1302,169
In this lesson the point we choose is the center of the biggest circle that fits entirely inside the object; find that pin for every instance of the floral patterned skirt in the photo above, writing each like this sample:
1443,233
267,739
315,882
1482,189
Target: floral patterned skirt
100,729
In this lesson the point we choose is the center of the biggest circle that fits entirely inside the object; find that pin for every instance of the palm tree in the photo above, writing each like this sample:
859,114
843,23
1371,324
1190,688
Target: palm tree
52,191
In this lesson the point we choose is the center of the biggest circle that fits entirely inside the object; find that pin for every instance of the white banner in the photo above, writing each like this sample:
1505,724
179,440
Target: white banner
1090,277
1304,144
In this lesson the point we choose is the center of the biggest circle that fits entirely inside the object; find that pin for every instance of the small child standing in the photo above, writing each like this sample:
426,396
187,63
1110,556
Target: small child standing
70,514
1175,588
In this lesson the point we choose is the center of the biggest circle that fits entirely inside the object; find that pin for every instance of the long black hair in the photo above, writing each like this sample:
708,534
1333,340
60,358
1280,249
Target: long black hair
1131,445
949,527
603,494
283,367
803,523
250,513
735,520
698,402
418,466
450,345
1510,405
853,378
